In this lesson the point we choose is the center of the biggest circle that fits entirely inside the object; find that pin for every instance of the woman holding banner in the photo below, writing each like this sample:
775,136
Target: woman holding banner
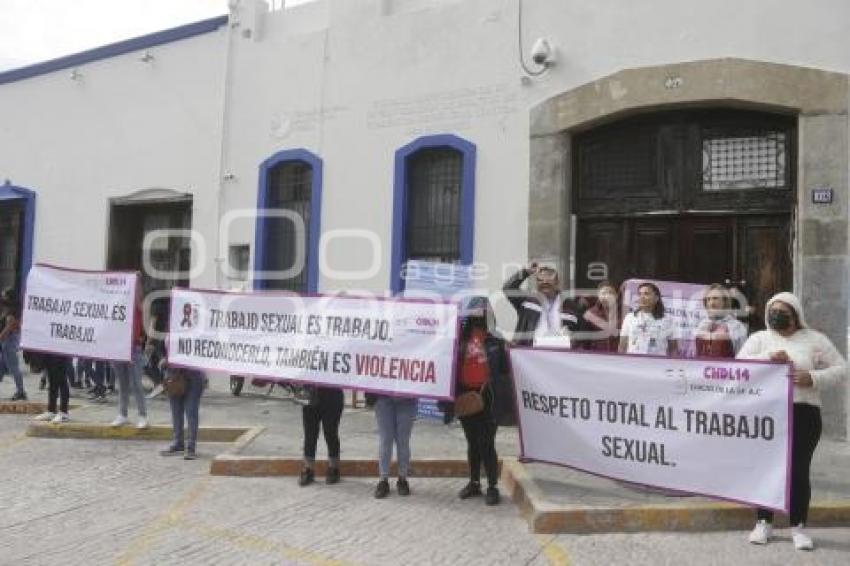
602,319
129,377
816,365
323,409
720,334
10,338
184,388
395,416
56,366
481,362
648,330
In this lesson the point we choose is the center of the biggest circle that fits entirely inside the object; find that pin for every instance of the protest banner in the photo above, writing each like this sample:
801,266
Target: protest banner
711,427
388,346
448,281
89,314
682,302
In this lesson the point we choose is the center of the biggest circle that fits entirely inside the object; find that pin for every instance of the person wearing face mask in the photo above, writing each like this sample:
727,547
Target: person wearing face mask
720,334
816,366
648,330
603,320
542,315
481,363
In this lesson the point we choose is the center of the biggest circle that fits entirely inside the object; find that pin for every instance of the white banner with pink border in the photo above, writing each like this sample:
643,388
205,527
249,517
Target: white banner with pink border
79,313
400,347
715,428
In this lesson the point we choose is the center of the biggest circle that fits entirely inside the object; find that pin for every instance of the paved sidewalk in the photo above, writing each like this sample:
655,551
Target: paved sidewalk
118,502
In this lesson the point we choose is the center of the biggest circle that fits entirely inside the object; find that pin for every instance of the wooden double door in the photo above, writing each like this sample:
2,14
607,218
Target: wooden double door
700,249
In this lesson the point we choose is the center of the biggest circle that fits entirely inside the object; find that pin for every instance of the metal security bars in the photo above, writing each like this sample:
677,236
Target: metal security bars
433,214
289,188
11,228
744,160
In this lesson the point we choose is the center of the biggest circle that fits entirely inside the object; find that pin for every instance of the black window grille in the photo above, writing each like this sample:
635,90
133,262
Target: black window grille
743,159
623,159
691,159
289,188
434,180
11,228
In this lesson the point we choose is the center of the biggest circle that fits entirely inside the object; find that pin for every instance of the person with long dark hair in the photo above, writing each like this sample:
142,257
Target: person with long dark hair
817,366
482,361
648,330
602,319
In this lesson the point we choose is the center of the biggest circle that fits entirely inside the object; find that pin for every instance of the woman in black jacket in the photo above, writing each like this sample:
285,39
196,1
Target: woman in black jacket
482,362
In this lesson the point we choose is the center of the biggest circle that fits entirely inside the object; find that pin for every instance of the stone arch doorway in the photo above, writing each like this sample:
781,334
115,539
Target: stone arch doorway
698,196
815,101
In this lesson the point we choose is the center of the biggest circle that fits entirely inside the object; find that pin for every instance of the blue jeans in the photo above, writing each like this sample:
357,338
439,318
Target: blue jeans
129,376
188,404
395,416
10,359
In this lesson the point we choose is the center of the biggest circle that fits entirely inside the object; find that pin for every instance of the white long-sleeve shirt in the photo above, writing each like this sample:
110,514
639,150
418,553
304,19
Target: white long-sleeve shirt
808,350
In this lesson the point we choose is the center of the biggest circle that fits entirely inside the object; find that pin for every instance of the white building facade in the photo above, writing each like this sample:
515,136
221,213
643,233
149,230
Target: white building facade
675,140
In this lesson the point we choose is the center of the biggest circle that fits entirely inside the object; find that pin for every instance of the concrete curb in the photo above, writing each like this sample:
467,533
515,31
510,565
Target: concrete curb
129,432
545,517
26,408
268,466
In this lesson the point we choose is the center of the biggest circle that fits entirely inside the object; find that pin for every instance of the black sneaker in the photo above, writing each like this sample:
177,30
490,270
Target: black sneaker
190,454
492,497
19,396
171,451
306,477
472,489
403,487
382,489
332,475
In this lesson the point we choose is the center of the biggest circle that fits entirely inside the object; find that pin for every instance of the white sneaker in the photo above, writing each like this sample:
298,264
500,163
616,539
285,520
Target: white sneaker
802,541
761,533
155,391
120,420
48,416
142,424
61,418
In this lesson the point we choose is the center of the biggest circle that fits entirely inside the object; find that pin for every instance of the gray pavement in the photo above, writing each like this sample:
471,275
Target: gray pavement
119,502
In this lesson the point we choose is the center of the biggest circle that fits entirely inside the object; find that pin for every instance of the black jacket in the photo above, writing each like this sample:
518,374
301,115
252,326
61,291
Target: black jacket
529,310
498,392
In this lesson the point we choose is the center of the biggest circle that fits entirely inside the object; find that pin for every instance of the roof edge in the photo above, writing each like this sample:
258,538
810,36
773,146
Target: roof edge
114,49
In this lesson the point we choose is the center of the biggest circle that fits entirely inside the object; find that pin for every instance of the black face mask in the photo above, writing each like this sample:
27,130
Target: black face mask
778,320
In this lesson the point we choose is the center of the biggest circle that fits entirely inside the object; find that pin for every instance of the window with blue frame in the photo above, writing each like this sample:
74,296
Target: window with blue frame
289,189
433,205
17,226
434,199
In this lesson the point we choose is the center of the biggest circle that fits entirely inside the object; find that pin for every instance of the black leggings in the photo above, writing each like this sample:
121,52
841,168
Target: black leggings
480,432
806,434
57,376
327,413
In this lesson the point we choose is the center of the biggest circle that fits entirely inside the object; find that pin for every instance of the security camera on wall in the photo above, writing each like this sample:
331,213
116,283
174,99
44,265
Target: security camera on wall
542,52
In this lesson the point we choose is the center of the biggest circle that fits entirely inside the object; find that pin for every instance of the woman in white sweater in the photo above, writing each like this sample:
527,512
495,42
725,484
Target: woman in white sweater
817,366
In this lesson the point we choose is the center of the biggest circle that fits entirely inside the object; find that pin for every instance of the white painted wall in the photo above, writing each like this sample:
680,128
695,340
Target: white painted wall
352,82
124,126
